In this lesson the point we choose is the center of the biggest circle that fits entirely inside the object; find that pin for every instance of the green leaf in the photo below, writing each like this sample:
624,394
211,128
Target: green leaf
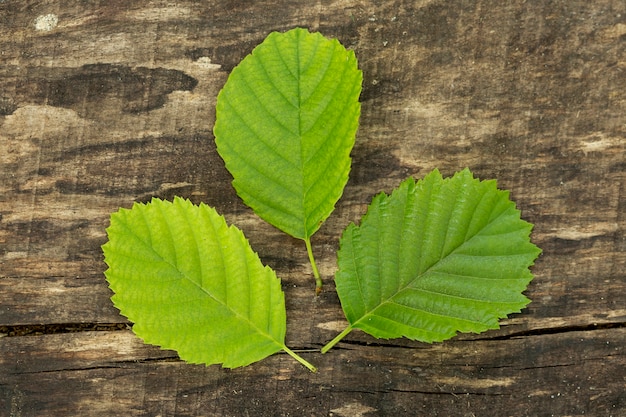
286,122
434,258
191,283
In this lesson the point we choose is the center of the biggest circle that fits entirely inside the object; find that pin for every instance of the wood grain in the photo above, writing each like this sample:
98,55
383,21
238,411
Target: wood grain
114,373
114,103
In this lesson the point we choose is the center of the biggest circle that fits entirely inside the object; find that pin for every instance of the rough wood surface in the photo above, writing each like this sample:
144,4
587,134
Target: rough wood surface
107,103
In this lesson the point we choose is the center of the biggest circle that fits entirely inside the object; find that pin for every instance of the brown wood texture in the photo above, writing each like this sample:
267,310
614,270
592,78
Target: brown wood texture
103,103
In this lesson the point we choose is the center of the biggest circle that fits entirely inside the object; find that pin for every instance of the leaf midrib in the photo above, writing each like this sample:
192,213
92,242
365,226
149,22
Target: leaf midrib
183,275
390,299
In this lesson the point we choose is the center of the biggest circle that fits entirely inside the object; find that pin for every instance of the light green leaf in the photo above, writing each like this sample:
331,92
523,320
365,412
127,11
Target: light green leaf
191,283
286,122
434,258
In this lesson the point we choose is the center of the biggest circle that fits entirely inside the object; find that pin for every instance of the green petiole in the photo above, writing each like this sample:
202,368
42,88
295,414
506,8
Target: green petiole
316,273
336,340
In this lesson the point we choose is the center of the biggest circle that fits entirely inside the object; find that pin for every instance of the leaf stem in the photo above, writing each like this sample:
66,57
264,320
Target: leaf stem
316,273
336,340
300,359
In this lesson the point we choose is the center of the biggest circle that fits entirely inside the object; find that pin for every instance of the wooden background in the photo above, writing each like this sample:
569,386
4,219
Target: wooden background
103,103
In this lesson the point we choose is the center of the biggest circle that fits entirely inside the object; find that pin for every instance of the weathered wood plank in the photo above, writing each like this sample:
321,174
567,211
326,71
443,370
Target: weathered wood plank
111,373
114,103
64,225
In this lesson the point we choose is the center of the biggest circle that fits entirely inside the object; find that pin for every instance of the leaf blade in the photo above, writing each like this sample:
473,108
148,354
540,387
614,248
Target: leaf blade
286,123
191,283
434,258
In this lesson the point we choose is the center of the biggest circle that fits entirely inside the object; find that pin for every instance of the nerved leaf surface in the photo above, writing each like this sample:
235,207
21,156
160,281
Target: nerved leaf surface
434,258
191,283
286,123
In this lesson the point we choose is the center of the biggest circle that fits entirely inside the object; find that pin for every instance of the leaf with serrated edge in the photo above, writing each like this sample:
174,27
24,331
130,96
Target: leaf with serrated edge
286,122
191,283
434,258
285,125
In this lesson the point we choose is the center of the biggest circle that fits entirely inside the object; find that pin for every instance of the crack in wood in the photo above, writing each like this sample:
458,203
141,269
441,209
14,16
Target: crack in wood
510,336
555,330
86,368
404,391
57,328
